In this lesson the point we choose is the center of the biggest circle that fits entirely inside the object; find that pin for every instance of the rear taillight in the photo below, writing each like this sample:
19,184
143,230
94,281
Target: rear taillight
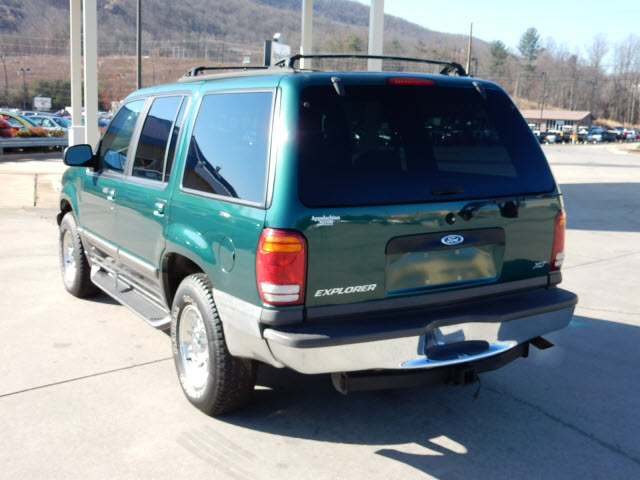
557,254
281,266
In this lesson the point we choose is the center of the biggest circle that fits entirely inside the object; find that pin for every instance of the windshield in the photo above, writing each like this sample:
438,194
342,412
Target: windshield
406,144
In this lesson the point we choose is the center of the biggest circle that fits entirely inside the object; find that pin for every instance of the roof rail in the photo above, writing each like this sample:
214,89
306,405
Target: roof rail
450,68
195,71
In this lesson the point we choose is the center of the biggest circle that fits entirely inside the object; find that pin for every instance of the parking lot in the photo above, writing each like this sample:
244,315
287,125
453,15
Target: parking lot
88,390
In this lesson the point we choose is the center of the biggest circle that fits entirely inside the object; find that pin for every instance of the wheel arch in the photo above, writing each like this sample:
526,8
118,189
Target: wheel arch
65,207
175,268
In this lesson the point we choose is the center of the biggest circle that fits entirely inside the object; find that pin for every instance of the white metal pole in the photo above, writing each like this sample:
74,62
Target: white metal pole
91,72
376,33
469,48
307,17
76,131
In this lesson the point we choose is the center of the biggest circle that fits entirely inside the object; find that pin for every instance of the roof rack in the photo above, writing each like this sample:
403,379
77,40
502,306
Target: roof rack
450,68
195,71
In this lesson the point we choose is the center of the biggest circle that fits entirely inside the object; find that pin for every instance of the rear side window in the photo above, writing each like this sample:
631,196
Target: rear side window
229,146
112,154
154,146
407,143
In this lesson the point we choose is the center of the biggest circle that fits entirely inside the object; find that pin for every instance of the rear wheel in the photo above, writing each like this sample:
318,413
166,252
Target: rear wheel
74,266
212,379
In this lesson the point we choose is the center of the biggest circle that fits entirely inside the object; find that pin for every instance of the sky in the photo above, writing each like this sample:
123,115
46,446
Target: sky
570,23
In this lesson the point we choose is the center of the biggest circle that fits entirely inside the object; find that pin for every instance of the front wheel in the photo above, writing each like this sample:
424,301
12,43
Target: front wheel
212,379
74,266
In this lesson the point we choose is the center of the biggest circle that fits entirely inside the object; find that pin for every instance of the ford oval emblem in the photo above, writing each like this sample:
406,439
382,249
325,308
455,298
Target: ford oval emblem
452,239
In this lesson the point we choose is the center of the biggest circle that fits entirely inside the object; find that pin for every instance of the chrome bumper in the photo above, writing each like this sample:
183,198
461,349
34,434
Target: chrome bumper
404,340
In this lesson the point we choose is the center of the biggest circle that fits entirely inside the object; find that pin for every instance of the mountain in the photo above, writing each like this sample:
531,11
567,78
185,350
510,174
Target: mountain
339,26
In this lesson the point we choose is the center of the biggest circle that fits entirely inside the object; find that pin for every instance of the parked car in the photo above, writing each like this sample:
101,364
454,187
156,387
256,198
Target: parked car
548,137
102,123
17,121
595,135
6,129
51,122
349,223
630,134
609,135
620,133
582,135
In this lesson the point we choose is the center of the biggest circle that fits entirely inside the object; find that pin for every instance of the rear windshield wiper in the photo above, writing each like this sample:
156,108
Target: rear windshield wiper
508,208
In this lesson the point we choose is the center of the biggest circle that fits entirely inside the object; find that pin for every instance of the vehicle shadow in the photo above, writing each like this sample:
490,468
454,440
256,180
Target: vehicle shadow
102,297
587,204
526,413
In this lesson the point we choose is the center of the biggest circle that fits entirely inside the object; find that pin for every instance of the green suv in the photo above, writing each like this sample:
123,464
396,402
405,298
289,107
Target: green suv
389,228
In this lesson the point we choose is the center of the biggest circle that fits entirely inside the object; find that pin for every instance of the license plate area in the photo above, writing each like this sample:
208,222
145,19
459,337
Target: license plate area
423,261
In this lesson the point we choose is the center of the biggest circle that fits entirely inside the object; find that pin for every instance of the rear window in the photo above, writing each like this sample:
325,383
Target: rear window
406,144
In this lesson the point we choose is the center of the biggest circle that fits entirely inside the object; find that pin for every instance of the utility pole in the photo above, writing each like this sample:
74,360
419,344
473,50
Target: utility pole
139,43
6,79
475,70
593,89
544,91
469,49
24,87
634,87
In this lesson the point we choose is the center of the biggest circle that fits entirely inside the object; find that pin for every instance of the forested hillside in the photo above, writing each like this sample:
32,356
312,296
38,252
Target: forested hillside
601,77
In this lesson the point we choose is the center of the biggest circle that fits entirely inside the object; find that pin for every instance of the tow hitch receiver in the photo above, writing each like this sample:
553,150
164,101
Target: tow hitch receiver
459,374
541,343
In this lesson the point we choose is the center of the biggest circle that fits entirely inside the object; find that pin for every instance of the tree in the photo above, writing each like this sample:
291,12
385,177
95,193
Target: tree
354,43
499,55
530,45
58,90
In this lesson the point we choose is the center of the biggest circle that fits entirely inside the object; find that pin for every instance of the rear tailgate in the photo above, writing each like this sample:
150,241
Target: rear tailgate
413,188
359,254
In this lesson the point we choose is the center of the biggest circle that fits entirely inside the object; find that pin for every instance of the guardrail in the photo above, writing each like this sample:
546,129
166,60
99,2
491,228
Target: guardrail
32,142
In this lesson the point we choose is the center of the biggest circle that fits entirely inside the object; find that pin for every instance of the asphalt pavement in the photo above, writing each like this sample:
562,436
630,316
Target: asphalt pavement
88,390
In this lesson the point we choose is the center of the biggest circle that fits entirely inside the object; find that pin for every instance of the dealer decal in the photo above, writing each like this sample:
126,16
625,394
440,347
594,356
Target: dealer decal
325,220
345,290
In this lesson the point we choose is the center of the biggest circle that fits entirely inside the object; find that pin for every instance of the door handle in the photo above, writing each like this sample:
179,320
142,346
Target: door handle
158,209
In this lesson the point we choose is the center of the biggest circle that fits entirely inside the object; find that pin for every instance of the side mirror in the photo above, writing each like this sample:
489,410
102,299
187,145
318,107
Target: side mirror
79,156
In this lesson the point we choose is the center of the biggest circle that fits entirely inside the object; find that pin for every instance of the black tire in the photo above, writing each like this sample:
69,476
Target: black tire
75,269
212,379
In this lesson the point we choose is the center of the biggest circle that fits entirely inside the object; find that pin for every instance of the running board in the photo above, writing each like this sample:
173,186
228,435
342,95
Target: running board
114,286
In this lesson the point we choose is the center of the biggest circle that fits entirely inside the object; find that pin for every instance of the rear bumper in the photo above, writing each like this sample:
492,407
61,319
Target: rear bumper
422,338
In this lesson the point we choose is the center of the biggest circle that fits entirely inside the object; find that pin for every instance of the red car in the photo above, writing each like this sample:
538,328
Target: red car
6,129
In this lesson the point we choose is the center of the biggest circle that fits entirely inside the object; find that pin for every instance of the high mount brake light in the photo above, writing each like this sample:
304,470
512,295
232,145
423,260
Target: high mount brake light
411,81
281,266
557,254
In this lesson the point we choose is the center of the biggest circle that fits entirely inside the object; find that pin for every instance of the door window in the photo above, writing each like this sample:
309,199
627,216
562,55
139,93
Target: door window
112,154
154,146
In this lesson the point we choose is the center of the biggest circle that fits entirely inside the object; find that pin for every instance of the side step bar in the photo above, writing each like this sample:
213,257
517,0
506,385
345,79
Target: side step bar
118,288
460,374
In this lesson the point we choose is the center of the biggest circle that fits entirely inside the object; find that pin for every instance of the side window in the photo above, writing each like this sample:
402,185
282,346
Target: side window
174,139
112,154
229,146
13,122
153,145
